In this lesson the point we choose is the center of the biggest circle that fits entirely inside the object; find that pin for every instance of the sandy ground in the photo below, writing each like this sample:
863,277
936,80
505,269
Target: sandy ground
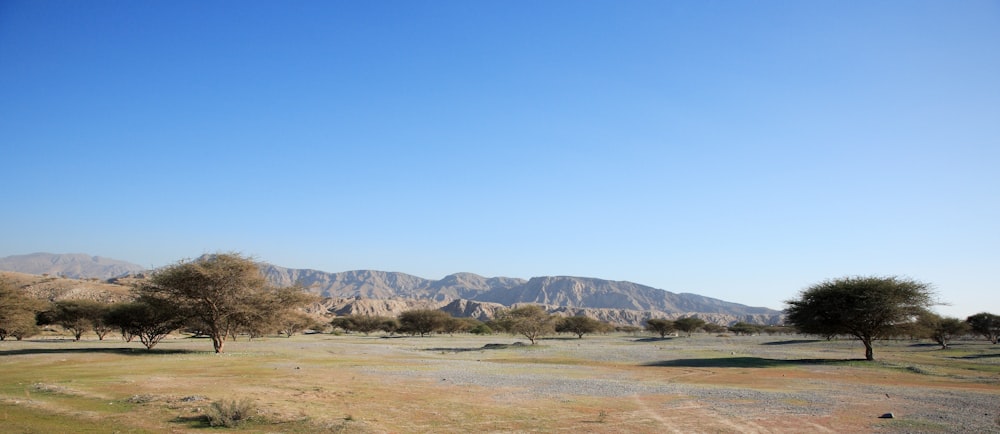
614,383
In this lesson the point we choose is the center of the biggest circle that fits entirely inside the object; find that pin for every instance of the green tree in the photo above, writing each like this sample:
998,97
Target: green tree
481,329
630,329
275,309
986,324
661,326
742,328
297,322
423,321
78,317
941,329
360,323
867,308
150,320
689,324
711,327
17,312
578,325
219,294
530,321
459,325
390,325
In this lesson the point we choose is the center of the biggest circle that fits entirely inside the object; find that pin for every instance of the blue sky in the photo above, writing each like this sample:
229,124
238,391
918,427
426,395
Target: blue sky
737,150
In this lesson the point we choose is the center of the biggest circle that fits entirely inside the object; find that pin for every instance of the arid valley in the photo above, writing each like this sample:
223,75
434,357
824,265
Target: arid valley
497,383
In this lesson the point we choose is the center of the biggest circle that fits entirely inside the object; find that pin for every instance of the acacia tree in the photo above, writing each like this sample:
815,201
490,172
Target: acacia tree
360,323
986,324
17,312
297,321
866,307
423,321
149,319
661,326
688,324
941,329
78,317
742,328
578,325
530,321
274,310
218,294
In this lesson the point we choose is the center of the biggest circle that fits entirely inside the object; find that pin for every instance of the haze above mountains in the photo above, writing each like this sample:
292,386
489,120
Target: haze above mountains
613,301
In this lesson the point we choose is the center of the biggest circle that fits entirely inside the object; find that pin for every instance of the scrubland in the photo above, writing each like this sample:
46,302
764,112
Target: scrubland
466,383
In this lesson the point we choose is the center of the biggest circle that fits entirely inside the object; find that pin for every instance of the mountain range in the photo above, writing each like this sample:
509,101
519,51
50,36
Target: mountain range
461,294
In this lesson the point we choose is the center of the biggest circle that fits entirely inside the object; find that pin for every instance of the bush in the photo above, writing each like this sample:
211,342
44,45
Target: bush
231,413
481,329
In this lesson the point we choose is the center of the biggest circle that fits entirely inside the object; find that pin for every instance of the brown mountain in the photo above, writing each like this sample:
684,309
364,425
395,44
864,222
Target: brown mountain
72,265
461,294
613,301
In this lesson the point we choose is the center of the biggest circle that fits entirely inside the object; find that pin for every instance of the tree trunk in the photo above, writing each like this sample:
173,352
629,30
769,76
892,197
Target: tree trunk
869,352
218,341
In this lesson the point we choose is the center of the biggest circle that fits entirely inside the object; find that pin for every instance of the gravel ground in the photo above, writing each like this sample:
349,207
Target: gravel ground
463,361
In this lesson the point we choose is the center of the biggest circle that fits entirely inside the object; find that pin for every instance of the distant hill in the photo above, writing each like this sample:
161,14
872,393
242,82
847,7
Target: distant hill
73,265
461,294
612,301
54,288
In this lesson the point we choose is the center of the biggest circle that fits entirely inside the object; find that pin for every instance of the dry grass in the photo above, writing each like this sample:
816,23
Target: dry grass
615,383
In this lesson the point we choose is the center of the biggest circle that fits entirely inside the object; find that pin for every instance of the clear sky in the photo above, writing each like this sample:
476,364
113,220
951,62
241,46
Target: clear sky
741,150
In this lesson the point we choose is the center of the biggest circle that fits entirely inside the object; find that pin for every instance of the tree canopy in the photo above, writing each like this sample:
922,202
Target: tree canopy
660,326
579,325
941,329
985,324
423,321
530,321
688,324
150,320
17,312
221,294
866,307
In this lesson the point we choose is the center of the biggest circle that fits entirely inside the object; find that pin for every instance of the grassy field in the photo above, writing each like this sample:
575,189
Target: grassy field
612,383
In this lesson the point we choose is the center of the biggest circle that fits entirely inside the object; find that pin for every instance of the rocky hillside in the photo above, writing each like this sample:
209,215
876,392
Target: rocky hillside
54,288
74,265
461,294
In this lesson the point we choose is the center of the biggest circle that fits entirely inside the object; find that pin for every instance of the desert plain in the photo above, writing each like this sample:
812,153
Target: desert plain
634,383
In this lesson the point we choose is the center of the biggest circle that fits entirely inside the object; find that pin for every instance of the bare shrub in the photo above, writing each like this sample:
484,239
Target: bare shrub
231,412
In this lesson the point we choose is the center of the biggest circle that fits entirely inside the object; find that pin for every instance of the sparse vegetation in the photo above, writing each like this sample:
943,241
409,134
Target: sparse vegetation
231,413
315,383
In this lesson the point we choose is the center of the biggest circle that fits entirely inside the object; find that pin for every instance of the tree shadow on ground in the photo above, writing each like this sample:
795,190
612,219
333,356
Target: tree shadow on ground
652,339
924,345
482,348
976,356
196,422
792,342
123,351
746,362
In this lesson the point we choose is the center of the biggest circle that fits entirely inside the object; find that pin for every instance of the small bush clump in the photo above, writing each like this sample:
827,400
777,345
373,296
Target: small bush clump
231,413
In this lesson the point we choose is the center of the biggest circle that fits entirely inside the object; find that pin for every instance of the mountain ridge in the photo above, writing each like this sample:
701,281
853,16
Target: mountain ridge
621,302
